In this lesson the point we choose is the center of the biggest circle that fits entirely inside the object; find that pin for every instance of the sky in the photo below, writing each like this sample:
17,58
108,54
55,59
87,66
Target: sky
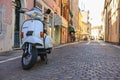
95,8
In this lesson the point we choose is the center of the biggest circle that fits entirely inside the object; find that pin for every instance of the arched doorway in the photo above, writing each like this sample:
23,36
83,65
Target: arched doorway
17,24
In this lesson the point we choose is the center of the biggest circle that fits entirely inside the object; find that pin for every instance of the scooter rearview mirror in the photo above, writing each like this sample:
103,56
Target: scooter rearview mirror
48,11
21,11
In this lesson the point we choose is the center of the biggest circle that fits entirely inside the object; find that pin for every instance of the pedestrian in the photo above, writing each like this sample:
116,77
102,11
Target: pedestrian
72,36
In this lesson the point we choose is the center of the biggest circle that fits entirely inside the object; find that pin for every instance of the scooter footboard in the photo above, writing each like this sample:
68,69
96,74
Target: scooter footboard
44,51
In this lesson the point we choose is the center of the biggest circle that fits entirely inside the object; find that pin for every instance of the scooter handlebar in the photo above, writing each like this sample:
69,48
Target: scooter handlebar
22,11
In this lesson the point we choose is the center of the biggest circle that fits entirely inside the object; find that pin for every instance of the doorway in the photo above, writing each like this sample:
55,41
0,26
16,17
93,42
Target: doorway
17,24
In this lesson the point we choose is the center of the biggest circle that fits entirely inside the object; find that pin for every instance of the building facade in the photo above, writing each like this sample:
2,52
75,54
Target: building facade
43,5
57,20
65,16
74,16
80,25
5,25
111,15
85,25
96,32
10,22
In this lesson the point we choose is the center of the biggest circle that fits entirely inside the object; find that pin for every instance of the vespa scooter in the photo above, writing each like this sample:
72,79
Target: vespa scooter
35,42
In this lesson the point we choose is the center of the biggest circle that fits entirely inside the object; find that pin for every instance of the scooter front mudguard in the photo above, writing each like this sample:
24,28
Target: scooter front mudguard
32,40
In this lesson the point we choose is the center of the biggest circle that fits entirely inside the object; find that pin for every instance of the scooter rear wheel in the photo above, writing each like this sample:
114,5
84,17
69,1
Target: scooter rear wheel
44,58
30,59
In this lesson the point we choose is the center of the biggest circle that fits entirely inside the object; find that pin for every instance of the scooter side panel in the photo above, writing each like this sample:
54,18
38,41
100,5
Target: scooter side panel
33,40
32,25
48,42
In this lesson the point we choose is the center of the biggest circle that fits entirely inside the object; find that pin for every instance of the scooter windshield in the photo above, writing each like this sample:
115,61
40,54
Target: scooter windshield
35,12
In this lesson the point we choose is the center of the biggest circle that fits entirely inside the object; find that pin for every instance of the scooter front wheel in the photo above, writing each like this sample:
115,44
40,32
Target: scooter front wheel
29,58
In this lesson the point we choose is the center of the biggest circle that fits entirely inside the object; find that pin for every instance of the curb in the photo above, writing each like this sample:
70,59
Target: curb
62,45
15,54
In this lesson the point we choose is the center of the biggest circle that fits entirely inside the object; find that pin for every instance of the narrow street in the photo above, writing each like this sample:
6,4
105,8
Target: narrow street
86,60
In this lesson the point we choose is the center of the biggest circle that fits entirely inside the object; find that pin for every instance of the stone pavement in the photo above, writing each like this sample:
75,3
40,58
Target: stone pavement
81,61
18,52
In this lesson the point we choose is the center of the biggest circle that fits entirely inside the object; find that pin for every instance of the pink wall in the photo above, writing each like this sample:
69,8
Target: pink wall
8,12
53,5
30,4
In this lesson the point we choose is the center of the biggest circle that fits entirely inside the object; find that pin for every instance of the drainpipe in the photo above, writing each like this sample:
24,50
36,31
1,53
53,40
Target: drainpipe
61,8
61,25
119,27
34,3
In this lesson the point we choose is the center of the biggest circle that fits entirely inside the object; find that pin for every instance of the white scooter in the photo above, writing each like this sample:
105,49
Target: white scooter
35,41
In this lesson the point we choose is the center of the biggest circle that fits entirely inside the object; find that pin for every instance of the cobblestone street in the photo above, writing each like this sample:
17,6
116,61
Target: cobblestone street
92,60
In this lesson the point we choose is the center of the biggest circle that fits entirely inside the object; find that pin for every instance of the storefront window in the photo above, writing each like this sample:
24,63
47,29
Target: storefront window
50,21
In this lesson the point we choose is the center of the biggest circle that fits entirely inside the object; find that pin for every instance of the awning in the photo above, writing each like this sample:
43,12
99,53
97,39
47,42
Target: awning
71,29
60,21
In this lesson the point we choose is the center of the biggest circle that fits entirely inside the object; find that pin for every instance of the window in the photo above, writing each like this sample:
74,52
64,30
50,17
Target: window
50,21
